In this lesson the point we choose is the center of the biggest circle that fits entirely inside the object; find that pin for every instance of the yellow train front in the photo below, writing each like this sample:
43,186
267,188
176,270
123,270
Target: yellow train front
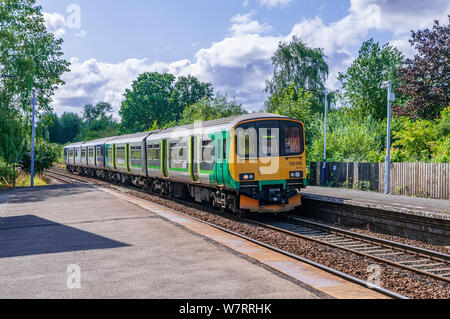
268,163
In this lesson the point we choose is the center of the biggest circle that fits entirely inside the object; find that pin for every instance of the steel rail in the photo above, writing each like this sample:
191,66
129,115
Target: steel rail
367,239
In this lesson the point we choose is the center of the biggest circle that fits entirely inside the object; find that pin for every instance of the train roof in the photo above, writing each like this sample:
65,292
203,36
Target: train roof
74,145
178,131
130,138
213,125
96,142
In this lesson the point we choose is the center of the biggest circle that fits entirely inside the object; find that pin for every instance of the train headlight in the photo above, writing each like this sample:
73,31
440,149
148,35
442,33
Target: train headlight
296,174
247,177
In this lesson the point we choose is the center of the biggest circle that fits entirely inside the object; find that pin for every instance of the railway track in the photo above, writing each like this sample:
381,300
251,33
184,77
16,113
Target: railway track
415,259
65,178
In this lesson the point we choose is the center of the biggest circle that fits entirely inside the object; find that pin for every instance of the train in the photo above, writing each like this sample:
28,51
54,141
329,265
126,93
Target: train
248,163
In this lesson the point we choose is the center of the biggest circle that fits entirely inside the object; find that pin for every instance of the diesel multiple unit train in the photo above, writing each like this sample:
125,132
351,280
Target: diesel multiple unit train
253,162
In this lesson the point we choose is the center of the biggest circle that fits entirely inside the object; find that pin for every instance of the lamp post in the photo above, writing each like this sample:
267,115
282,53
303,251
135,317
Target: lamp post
33,102
324,167
387,169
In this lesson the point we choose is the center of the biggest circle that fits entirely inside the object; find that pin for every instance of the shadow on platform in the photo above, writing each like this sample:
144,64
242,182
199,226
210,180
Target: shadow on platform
42,193
30,235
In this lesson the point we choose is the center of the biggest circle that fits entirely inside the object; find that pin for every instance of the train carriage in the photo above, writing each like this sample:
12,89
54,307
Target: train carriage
126,158
95,153
73,154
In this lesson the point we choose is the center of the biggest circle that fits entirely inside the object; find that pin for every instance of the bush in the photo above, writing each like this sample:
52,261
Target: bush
45,155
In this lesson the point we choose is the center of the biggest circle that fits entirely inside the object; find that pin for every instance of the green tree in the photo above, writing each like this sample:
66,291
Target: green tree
34,56
45,155
12,143
415,141
31,53
296,103
189,90
348,138
95,112
362,82
207,109
150,99
298,65
71,125
425,79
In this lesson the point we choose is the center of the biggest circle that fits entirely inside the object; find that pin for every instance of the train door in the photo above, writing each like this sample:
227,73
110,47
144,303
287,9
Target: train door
220,159
164,158
195,156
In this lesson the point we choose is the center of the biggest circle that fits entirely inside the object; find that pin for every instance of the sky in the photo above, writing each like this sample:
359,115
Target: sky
228,43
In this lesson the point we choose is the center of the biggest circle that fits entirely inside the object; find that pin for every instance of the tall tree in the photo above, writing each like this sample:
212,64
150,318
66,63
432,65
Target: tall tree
150,99
425,79
34,56
207,109
30,53
96,112
298,65
296,103
362,83
189,90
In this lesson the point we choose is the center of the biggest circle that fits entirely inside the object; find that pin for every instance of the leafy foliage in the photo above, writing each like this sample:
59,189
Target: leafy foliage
30,53
157,97
363,80
296,103
34,57
426,78
348,139
45,155
298,65
207,109
189,90
423,140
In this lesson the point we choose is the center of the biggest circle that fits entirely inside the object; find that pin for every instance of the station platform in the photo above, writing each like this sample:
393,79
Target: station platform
424,207
129,248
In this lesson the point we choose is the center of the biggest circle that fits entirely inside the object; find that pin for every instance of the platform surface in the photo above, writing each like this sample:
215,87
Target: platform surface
122,251
436,208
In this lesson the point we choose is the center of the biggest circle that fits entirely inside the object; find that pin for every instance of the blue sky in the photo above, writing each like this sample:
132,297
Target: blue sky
228,43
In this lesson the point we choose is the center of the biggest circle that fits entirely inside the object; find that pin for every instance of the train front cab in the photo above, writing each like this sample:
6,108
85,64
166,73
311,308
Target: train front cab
269,164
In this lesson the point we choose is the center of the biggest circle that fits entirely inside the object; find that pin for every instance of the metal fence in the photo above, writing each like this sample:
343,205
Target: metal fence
430,180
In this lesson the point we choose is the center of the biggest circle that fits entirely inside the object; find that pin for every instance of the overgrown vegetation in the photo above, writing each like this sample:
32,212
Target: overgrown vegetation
356,128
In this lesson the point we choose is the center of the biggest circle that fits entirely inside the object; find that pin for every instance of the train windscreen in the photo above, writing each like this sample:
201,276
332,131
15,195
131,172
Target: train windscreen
269,138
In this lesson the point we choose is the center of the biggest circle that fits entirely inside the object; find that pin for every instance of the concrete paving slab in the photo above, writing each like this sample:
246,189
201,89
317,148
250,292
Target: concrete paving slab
49,234
435,208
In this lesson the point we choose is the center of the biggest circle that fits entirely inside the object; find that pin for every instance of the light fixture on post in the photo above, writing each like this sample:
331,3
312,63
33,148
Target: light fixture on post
387,170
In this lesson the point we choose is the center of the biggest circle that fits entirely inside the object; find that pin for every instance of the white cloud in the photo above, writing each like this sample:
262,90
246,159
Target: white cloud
55,23
58,25
274,3
243,24
240,63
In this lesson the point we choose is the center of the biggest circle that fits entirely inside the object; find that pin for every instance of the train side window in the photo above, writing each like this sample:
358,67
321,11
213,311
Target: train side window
156,152
208,154
153,155
150,153
138,156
